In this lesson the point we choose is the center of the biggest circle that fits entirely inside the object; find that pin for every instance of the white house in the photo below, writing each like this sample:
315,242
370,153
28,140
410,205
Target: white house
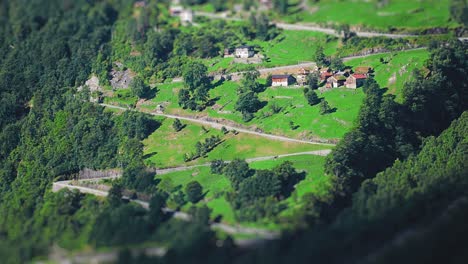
281,80
186,16
244,51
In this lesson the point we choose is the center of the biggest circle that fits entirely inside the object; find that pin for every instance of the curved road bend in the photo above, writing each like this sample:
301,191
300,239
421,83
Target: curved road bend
219,126
261,233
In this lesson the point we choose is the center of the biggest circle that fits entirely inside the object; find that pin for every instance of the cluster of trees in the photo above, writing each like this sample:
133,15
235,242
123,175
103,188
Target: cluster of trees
197,83
203,148
261,28
459,11
248,102
177,125
257,193
139,88
322,60
313,99
387,130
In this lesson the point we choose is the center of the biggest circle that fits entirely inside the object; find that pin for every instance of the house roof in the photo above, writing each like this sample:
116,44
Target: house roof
244,47
359,76
280,76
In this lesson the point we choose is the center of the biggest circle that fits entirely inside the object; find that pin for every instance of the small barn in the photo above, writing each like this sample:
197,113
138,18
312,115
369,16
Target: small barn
336,81
281,80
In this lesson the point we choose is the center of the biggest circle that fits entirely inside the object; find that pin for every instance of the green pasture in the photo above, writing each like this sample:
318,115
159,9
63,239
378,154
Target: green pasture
395,69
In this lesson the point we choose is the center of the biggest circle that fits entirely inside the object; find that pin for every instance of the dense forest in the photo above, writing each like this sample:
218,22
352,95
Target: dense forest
400,186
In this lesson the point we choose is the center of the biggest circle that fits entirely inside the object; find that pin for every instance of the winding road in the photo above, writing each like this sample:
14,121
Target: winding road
305,27
262,234
220,125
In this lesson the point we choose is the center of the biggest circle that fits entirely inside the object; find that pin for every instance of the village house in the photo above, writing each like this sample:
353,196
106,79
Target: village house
301,77
244,51
335,81
355,80
187,16
281,80
325,73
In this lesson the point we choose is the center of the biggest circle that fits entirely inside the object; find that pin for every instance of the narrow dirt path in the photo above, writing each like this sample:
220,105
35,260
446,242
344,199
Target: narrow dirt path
307,27
378,53
219,126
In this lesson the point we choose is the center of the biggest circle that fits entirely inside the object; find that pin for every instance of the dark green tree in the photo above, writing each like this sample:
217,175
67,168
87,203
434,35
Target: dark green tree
237,170
324,107
197,84
249,82
337,64
194,191
311,96
269,80
320,57
139,88
312,81
217,166
177,125
459,11
248,104
115,194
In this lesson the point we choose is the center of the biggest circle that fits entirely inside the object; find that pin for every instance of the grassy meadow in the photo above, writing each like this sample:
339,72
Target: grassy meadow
402,14
166,148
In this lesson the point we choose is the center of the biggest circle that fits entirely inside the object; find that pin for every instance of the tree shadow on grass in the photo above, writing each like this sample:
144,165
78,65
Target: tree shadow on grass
149,155
217,83
212,101
295,179
151,93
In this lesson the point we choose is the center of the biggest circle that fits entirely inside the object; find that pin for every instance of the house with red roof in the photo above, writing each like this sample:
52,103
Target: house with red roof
355,80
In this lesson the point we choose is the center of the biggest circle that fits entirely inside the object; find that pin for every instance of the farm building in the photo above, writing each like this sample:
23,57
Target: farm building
335,81
244,51
301,77
355,80
282,80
